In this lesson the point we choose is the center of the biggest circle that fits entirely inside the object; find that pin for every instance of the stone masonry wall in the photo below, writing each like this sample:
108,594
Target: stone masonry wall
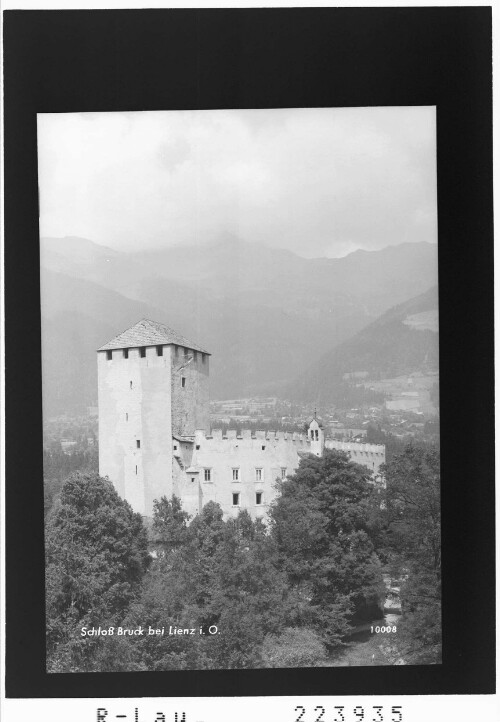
258,461
134,406
190,403
370,455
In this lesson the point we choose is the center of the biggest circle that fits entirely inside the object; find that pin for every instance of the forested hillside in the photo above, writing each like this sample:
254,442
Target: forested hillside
403,340
266,315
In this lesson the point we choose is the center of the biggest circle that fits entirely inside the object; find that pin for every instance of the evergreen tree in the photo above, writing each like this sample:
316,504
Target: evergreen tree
249,593
413,510
177,591
96,556
321,525
169,524
222,577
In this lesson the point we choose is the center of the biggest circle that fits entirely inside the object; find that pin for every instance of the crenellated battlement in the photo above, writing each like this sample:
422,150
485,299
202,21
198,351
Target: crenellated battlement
249,438
370,455
251,435
355,446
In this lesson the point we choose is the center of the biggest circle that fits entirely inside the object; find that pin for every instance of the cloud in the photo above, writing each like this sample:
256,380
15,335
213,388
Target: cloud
173,153
315,181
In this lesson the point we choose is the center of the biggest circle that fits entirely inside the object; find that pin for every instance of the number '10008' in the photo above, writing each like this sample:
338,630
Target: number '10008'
389,628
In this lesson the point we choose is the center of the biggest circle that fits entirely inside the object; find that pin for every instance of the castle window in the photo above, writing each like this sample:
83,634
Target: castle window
183,382
125,353
197,447
258,474
263,448
317,434
236,499
283,472
138,443
136,469
258,498
131,384
159,350
175,447
236,474
109,355
142,351
126,417
208,474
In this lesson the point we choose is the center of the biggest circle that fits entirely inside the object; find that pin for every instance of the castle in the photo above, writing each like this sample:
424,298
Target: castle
155,438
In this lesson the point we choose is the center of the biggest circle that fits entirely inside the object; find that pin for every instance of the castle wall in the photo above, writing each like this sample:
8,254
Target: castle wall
369,455
182,460
270,453
190,403
134,406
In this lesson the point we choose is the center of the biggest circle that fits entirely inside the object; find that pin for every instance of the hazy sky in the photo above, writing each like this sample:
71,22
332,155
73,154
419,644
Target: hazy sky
320,182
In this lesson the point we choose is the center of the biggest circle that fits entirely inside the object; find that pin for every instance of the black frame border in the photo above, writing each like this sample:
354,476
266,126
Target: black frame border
102,60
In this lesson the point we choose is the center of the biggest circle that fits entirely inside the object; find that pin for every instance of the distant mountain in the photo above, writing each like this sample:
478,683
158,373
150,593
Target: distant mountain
88,261
251,348
230,268
74,251
403,340
77,318
265,314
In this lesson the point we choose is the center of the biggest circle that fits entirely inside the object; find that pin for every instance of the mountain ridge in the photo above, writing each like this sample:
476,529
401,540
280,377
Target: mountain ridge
387,347
263,320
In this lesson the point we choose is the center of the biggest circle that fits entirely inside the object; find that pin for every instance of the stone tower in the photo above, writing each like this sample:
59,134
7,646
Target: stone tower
153,390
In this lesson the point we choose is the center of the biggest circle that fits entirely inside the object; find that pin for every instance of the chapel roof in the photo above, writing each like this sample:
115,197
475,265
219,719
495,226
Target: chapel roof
149,333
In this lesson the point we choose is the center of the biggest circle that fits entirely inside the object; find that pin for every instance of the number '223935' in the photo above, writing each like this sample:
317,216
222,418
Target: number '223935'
343,714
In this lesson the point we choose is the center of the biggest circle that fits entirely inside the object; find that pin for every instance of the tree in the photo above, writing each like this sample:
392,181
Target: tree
393,445
177,590
96,556
169,524
223,576
249,593
58,465
413,510
294,648
321,525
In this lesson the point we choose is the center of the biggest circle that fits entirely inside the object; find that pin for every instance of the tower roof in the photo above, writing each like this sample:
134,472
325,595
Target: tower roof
317,419
149,333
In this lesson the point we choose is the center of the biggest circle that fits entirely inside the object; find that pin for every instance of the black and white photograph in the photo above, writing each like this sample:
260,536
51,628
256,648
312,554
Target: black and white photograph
240,381
249,419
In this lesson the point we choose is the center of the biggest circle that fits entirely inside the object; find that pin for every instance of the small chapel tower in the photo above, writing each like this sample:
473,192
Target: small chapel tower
316,436
152,387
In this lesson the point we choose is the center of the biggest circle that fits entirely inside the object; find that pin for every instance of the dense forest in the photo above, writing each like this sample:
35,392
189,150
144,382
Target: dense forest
209,593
